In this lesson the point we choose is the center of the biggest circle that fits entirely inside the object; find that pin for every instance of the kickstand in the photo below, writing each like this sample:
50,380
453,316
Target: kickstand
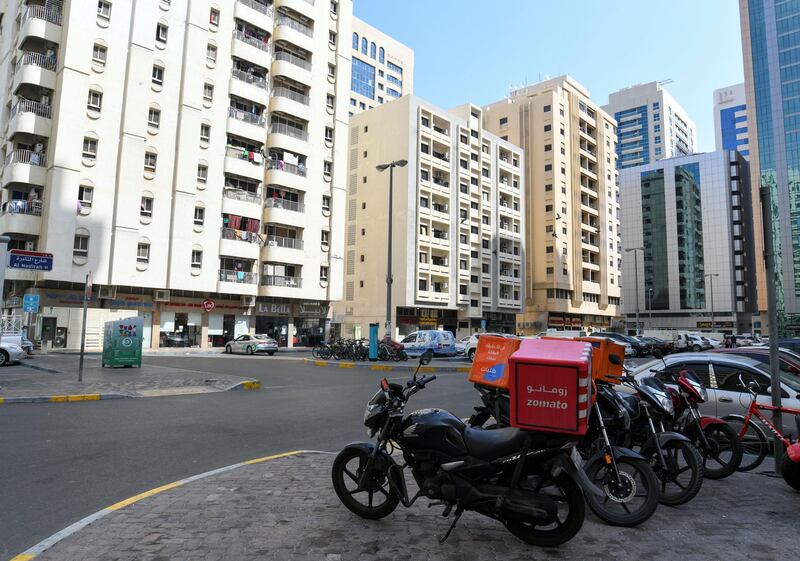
459,512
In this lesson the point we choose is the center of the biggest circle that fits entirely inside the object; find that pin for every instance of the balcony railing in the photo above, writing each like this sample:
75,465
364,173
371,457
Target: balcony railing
251,40
281,241
276,280
294,206
293,59
36,59
27,157
47,13
246,116
243,76
299,169
245,154
441,182
226,275
28,106
290,94
265,9
294,132
21,206
294,24
241,235
242,195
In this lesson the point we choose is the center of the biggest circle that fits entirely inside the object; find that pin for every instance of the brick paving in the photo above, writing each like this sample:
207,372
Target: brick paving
286,509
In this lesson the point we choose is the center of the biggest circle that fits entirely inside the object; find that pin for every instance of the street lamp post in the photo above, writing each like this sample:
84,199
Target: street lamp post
380,168
650,305
711,296
636,279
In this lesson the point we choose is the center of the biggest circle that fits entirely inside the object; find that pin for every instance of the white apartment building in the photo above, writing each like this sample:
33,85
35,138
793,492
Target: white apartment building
651,125
572,242
187,154
458,222
730,120
383,68
693,218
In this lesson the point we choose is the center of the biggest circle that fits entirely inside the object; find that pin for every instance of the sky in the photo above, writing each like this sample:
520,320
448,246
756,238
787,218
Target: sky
473,51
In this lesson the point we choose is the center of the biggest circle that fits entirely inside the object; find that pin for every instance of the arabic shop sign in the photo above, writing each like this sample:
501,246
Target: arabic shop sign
31,260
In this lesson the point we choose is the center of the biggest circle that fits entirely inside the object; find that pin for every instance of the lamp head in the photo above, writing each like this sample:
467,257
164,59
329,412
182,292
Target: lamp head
400,163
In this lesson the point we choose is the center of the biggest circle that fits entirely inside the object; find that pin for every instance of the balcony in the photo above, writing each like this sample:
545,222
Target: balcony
25,166
282,211
255,12
276,280
281,241
30,117
244,163
246,124
304,7
291,137
237,282
36,69
239,277
249,47
21,217
294,32
291,66
240,202
42,22
290,102
249,86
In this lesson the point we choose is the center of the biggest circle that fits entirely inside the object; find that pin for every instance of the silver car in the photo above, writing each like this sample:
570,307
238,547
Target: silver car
720,372
251,344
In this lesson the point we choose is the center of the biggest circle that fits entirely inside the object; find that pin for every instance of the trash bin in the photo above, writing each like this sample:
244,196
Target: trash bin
122,342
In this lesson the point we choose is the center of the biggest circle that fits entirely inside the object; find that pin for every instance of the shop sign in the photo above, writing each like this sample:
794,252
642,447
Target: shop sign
121,302
428,320
13,302
208,305
311,309
275,308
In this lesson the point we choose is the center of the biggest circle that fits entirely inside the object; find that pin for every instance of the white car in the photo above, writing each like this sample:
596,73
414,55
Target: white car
461,345
251,344
472,344
10,353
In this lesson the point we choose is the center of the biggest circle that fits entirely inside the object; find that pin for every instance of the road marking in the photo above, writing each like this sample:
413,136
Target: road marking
47,543
347,365
381,367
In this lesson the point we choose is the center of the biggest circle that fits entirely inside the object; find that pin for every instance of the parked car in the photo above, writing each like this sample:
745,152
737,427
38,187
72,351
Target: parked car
472,345
442,343
665,347
720,372
461,345
10,353
790,360
696,343
639,349
21,340
251,344
174,340
715,343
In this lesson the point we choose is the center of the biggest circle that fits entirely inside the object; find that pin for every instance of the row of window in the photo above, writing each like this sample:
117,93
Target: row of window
373,50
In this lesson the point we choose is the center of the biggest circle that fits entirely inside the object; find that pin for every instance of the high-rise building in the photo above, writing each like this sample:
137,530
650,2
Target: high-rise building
383,68
651,125
188,154
730,119
458,222
770,43
572,262
692,216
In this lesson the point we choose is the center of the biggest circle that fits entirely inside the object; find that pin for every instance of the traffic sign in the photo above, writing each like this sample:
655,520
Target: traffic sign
31,260
30,303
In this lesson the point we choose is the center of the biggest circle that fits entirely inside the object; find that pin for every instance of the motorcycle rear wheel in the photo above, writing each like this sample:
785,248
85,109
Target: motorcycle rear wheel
682,458
790,472
568,495
726,451
347,469
623,509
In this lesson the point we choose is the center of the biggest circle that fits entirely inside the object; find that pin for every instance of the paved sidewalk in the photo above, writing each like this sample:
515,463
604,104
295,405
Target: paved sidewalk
52,377
285,509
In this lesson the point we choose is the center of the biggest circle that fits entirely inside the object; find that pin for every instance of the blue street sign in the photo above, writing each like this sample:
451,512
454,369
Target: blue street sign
30,303
32,260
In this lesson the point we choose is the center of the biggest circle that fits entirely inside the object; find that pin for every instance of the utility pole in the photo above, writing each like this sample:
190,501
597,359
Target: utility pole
87,294
3,259
389,278
650,305
636,279
711,296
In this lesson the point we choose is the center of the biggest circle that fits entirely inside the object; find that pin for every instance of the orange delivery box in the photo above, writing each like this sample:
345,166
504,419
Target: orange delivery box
490,365
603,369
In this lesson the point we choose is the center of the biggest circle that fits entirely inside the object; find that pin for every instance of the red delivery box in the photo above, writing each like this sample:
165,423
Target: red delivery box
550,385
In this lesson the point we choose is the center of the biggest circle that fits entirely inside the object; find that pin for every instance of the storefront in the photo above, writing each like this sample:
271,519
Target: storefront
500,322
197,322
309,322
299,324
414,319
272,319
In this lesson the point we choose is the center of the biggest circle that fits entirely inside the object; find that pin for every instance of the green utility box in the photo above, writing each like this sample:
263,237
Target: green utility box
122,342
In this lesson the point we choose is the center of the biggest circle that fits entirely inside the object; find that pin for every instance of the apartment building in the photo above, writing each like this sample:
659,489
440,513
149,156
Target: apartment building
383,68
692,218
730,120
458,248
651,125
572,266
186,154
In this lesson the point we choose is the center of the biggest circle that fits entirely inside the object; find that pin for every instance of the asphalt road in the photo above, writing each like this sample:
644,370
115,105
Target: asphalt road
61,462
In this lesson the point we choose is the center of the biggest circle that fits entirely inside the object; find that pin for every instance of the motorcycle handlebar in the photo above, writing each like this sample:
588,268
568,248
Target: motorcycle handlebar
426,380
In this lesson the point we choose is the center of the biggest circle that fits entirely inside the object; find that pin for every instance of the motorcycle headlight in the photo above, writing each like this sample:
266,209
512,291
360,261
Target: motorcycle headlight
375,408
666,403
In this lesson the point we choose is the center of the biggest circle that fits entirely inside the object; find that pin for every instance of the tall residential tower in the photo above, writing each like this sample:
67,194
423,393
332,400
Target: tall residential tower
730,119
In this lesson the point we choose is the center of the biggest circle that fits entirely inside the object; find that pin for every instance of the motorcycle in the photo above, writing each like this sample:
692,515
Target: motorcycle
526,480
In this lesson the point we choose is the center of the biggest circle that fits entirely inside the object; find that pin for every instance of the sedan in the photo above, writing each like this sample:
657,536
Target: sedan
10,353
720,373
461,345
251,344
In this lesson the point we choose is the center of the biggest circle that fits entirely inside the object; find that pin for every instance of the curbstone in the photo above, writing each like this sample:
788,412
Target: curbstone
246,385
69,398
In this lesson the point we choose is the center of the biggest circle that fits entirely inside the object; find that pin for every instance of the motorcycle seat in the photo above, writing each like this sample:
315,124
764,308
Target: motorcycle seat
491,444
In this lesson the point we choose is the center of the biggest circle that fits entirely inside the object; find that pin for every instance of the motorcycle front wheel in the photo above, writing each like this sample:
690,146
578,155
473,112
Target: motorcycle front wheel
568,496
682,478
628,501
376,500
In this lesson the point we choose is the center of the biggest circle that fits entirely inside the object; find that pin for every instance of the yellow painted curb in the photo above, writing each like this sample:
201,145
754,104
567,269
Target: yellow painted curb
140,496
381,367
84,397
58,398
321,362
254,385
2,399
23,557
273,457
463,369
428,369
347,365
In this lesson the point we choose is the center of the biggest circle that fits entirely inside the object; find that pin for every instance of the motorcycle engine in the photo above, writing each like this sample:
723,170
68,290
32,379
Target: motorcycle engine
440,487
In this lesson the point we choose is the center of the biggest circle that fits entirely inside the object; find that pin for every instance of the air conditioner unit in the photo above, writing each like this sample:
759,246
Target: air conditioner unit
161,296
249,301
107,292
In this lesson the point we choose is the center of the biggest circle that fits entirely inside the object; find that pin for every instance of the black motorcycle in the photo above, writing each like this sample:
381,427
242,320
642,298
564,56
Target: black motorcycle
526,480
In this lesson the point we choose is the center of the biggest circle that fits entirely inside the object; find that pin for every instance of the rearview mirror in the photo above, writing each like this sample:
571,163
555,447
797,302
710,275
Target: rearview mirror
426,357
657,353
614,359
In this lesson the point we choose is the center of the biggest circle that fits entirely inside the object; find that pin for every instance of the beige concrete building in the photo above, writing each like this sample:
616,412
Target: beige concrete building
458,256
572,266
383,68
189,154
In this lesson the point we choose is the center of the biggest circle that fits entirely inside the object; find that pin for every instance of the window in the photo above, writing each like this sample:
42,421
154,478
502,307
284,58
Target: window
423,202
503,121
202,173
146,207
104,9
362,80
332,37
205,132
548,128
323,273
381,55
548,147
372,50
158,75
485,291
197,258
549,270
423,284
334,7
327,168
211,53
208,92
656,128
154,118
161,33
99,54
548,187
355,41
326,203
331,70
80,245
363,231
462,264
199,216
89,148
213,17
325,237
548,167
546,109
85,195
95,101
423,257
143,252
330,101
549,249
150,161
328,134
